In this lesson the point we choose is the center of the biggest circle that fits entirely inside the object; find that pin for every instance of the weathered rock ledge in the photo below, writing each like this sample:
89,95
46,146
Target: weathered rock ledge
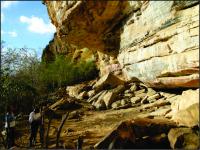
156,42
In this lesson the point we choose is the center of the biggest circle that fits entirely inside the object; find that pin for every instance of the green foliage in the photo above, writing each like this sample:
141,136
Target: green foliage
64,72
24,79
16,87
18,94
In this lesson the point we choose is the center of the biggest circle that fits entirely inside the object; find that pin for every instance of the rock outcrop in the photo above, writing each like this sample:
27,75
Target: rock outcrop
161,46
154,41
58,46
107,81
138,46
183,138
141,133
185,110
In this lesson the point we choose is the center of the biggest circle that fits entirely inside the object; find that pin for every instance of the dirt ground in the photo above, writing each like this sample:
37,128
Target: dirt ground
92,126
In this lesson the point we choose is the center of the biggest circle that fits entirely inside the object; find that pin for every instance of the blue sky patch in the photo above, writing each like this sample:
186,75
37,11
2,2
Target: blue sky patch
26,24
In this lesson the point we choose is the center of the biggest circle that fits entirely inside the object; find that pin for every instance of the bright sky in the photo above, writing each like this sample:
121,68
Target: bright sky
25,24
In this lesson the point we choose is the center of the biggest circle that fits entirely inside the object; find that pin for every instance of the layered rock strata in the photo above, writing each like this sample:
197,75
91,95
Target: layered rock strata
154,41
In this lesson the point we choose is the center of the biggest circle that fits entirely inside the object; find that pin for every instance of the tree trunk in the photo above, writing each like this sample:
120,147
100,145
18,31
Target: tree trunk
42,131
64,118
47,134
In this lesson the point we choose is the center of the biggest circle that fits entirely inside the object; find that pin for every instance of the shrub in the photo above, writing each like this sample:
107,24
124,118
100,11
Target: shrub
24,79
63,71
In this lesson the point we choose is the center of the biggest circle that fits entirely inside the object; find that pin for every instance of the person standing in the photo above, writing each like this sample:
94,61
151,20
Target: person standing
10,127
34,120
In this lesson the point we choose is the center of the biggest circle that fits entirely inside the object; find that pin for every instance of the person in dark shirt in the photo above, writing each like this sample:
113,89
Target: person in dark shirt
10,127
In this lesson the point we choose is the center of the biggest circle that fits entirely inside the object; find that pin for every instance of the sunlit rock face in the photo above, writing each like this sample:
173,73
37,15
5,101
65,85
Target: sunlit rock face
154,41
58,46
160,46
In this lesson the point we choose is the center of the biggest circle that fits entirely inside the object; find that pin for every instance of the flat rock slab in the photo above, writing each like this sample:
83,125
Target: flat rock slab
140,127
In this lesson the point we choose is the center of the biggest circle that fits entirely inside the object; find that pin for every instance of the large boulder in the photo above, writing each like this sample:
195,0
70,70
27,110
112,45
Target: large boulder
80,91
75,90
188,117
91,93
107,81
95,97
65,104
112,95
107,97
185,110
100,104
183,138
98,101
142,133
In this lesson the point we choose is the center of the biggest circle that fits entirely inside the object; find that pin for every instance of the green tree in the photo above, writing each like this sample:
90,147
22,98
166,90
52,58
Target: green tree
24,79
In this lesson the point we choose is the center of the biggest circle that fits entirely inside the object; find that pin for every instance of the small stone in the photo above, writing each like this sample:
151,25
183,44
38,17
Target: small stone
100,105
151,101
135,100
141,95
129,95
127,91
124,102
151,92
133,88
116,104
139,92
91,93
82,95
144,101
156,96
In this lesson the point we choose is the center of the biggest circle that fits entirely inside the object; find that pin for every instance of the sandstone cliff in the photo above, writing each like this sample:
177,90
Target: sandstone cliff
154,41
